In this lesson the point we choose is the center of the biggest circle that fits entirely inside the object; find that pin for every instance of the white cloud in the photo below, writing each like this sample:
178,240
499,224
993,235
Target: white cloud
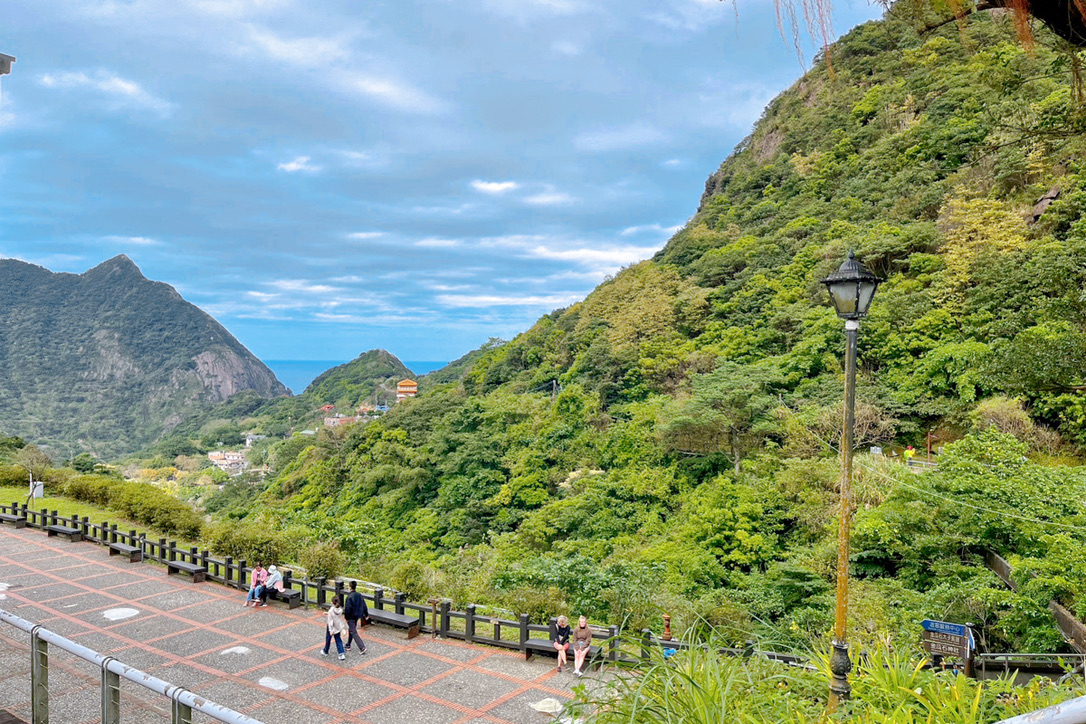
566,48
393,94
494,187
120,90
231,8
549,301
315,52
672,163
301,163
618,139
356,158
525,9
651,228
300,285
365,235
613,257
137,240
437,243
549,198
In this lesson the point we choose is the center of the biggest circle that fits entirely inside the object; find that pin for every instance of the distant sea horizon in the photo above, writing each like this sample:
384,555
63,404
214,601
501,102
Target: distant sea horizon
298,373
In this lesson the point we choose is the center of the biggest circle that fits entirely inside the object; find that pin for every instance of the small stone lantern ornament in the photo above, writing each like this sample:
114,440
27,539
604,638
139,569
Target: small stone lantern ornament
851,288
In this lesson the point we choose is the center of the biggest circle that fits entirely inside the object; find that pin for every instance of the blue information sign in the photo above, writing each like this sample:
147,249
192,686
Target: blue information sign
953,629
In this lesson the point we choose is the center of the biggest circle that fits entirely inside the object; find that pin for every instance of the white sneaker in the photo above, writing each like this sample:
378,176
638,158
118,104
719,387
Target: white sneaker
342,657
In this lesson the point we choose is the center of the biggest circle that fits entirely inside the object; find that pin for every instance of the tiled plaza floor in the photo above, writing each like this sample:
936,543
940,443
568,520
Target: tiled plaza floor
263,662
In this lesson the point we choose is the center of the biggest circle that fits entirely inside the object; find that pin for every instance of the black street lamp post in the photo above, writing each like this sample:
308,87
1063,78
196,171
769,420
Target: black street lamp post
851,288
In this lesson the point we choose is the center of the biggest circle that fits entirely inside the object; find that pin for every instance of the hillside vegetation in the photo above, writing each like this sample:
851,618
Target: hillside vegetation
687,464
369,379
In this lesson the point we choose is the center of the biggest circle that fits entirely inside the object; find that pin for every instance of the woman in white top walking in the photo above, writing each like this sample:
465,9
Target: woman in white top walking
336,626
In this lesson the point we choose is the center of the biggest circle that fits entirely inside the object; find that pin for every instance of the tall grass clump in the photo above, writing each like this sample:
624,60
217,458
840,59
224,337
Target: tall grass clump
703,686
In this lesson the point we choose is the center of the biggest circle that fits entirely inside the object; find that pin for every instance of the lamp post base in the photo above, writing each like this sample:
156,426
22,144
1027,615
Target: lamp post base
840,665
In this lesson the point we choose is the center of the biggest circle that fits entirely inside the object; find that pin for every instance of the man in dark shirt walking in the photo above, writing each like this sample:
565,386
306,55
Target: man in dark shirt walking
354,609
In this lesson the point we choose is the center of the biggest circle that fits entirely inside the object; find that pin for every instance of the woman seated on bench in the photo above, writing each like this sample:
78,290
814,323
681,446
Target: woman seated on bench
256,587
560,640
582,642
275,580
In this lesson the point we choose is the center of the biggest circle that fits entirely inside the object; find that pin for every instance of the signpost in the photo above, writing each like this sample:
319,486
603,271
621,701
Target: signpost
949,639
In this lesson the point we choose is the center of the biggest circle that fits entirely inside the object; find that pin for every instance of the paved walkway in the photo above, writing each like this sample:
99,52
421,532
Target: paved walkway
263,662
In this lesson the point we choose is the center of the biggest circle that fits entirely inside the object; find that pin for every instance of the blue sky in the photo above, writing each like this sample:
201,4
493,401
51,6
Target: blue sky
419,175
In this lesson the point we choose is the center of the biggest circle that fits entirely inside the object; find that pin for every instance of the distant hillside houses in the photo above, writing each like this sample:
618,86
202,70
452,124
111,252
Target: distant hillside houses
340,420
229,461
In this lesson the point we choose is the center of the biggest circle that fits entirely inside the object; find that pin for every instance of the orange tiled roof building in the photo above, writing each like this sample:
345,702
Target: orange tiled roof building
405,389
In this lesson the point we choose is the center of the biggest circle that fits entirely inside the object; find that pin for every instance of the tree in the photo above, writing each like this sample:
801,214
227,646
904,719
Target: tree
1066,18
84,463
33,460
731,412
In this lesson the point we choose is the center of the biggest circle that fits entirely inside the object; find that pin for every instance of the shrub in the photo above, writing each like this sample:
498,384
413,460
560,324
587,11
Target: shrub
95,489
151,506
13,476
250,541
323,559
539,604
413,578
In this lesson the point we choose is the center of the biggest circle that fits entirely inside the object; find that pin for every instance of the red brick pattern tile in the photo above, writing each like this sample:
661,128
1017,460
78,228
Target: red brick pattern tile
199,636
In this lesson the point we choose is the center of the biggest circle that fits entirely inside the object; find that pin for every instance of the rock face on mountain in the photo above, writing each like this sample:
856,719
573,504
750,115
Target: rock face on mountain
108,360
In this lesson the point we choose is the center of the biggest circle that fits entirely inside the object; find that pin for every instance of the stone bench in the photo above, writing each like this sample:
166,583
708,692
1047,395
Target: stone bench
135,555
72,534
290,596
545,646
399,620
198,573
16,520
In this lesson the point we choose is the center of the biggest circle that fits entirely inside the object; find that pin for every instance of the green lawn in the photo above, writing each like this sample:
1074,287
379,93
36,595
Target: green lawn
68,507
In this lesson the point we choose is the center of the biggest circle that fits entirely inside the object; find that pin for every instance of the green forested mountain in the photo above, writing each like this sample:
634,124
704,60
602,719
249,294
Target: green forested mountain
687,463
106,361
369,379
366,378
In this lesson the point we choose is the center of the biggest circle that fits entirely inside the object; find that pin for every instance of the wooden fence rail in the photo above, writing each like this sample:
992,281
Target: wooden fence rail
469,625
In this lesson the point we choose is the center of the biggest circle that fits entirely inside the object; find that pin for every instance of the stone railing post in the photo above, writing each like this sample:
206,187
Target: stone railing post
469,623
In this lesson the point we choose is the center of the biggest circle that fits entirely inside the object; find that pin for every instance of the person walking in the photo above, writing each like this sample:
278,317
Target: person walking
335,627
274,581
560,640
582,642
256,586
355,610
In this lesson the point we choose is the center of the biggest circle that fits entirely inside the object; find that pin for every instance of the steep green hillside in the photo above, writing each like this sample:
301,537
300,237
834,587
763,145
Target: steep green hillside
687,464
106,361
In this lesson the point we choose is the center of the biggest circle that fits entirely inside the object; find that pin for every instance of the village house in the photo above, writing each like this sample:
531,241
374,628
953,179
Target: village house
340,420
405,389
230,461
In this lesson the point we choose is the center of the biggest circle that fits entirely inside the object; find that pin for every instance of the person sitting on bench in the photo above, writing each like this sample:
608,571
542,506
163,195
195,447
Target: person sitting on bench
560,640
256,587
582,642
275,580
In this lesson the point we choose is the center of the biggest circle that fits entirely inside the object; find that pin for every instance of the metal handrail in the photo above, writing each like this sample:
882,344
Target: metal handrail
182,698
1072,711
